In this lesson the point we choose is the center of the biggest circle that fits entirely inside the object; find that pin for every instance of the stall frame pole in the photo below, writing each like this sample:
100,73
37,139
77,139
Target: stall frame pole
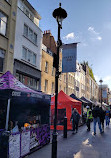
7,117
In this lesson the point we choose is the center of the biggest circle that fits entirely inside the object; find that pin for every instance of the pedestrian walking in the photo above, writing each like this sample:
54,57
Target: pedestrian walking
107,117
75,117
89,117
102,117
96,118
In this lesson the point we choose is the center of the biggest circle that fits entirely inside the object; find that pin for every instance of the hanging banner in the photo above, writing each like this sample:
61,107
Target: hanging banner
69,56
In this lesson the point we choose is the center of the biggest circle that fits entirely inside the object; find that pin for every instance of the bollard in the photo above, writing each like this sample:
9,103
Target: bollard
65,127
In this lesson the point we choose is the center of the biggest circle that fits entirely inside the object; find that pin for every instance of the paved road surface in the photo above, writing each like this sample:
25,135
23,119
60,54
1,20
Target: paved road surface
81,145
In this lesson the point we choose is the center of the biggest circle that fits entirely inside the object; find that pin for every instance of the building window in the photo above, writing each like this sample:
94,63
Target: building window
52,90
34,59
64,89
30,34
52,71
26,30
38,84
46,67
60,88
29,56
27,12
28,81
3,23
60,63
31,17
69,78
24,53
64,78
35,38
72,81
8,1
46,86
60,77
2,55
17,76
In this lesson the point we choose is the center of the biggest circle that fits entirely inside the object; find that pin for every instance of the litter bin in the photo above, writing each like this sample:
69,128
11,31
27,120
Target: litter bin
4,139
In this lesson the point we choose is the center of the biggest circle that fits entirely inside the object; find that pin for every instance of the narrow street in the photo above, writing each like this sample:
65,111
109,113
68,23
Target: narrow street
81,145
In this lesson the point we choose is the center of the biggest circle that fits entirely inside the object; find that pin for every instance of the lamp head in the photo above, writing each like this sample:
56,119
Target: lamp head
101,81
59,14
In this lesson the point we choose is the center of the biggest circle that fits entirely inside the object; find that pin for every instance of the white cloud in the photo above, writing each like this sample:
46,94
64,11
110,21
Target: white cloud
99,38
92,30
94,34
69,36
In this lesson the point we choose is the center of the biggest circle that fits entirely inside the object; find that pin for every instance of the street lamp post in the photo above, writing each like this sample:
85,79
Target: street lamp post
59,14
101,90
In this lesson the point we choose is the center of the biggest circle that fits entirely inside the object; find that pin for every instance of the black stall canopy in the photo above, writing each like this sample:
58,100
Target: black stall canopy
17,93
89,102
75,97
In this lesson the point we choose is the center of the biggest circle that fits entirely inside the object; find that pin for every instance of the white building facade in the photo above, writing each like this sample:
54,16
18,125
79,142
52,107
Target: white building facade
28,45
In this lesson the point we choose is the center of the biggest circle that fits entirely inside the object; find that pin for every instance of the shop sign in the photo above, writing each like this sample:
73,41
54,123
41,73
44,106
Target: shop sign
16,94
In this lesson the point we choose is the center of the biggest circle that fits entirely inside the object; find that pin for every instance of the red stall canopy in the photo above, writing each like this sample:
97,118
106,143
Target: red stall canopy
64,108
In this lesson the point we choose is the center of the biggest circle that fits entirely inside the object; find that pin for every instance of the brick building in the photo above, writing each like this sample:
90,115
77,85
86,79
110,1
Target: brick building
47,69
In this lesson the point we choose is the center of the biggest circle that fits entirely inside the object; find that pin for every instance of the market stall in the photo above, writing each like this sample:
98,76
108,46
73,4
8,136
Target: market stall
89,102
84,103
64,108
25,114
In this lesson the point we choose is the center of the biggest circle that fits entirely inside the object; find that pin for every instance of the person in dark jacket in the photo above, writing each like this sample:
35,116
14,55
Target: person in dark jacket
96,118
102,117
75,117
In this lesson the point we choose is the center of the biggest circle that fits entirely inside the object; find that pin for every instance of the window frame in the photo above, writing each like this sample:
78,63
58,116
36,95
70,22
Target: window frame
32,54
2,57
31,39
46,66
52,88
46,86
5,22
53,72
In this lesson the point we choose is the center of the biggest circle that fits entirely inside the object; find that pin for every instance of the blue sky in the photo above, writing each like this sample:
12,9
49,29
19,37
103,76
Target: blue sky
88,22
